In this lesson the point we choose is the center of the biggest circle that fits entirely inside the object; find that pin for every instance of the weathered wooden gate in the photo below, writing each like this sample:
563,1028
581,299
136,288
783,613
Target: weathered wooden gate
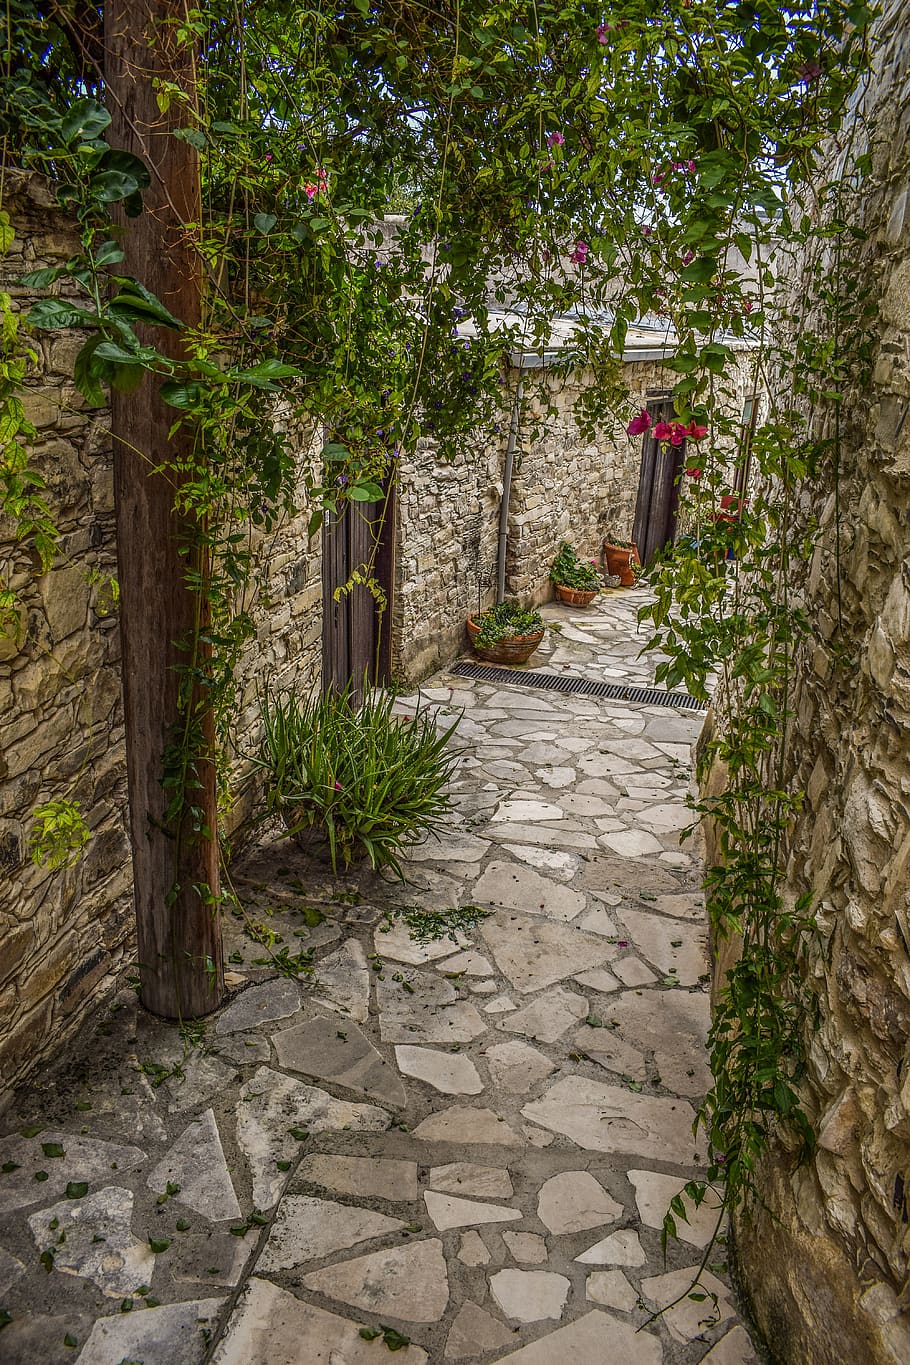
355,632
658,484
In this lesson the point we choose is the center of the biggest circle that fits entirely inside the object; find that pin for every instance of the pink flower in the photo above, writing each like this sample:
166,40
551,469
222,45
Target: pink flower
696,432
747,306
663,431
311,191
690,165
640,423
602,31
688,257
580,254
810,71
656,179
694,473
555,140
338,786
647,232
268,156
677,434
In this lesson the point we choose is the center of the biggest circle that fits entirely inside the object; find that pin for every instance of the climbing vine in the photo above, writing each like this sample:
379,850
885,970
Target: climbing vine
602,164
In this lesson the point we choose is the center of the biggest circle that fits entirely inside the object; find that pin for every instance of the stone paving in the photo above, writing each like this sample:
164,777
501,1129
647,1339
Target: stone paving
450,1149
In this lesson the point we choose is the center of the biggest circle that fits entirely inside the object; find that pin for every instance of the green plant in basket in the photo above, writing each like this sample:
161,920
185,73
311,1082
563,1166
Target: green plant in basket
505,621
571,572
367,781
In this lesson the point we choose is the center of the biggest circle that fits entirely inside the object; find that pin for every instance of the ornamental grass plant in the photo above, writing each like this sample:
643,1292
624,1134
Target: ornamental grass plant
362,779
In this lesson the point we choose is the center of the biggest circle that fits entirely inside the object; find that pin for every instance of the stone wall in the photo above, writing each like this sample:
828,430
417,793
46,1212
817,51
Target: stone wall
64,933
826,1262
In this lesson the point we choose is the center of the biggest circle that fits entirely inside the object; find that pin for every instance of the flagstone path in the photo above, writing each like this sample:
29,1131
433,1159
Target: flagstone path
469,1142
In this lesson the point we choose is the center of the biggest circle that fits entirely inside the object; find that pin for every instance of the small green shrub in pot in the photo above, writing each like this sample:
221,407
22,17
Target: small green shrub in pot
505,621
365,780
571,572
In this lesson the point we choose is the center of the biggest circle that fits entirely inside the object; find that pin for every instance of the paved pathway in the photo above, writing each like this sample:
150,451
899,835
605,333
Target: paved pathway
470,1144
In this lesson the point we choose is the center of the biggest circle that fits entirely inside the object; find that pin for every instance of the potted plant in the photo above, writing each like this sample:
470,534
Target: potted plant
355,781
506,634
576,581
619,556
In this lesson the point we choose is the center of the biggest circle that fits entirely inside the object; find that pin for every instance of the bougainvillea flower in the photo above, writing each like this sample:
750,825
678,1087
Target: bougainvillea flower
580,254
810,71
688,257
555,140
694,473
696,432
657,178
663,431
640,423
677,434
602,32
690,165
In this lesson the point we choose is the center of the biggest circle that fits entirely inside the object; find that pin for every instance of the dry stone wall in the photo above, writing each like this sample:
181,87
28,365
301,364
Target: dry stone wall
63,932
826,1261
66,934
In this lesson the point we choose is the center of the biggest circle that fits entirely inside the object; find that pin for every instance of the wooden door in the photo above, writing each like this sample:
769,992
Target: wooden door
658,485
355,631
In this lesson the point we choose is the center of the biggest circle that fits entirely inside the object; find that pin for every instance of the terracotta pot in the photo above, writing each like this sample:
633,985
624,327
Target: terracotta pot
619,560
516,650
576,597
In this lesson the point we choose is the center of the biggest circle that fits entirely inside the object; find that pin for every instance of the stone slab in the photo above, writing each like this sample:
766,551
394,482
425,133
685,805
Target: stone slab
363,1177
671,947
527,1247
338,1050
93,1239
394,941
547,1018
574,1201
11,1268
688,1318
592,1340
424,1008
517,1067
307,1229
619,1248
466,1177
530,1295
533,953
461,1124
270,1104
475,1332
262,1004
449,1072
472,1250
609,1118
85,1159
448,1211
653,1192
407,1282
269,1326
612,1289
343,980
515,886
196,1163
173,1334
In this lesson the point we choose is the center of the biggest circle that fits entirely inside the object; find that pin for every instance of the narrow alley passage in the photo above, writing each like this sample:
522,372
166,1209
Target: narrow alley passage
446,1148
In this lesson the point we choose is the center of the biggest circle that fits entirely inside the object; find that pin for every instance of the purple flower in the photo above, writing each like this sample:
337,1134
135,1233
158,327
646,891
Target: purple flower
580,254
555,140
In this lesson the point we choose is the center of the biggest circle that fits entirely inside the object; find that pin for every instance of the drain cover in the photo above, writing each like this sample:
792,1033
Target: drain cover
563,682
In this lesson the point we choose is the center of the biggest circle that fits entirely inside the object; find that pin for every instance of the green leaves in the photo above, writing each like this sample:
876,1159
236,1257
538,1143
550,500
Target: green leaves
159,1244
51,314
77,1189
85,119
391,1337
264,222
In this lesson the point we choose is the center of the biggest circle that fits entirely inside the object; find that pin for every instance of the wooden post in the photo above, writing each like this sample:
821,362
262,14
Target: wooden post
179,933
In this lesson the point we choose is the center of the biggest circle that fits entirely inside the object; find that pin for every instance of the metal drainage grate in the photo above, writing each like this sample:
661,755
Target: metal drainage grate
551,682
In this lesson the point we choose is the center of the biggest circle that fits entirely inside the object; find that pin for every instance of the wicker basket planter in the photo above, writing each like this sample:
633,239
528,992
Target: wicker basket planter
575,597
517,650
619,560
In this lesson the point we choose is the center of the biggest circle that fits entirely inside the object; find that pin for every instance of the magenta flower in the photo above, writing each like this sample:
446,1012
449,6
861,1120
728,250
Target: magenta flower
747,306
688,257
640,423
268,156
311,191
657,178
338,786
580,254
677,434
690,165
555,140
602,32
694,473
696,432
663,431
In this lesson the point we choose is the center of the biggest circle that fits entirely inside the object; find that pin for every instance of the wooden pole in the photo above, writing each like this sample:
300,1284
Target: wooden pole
175,868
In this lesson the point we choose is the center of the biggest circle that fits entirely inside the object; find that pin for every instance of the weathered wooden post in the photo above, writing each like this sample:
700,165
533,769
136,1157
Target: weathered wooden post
175,867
